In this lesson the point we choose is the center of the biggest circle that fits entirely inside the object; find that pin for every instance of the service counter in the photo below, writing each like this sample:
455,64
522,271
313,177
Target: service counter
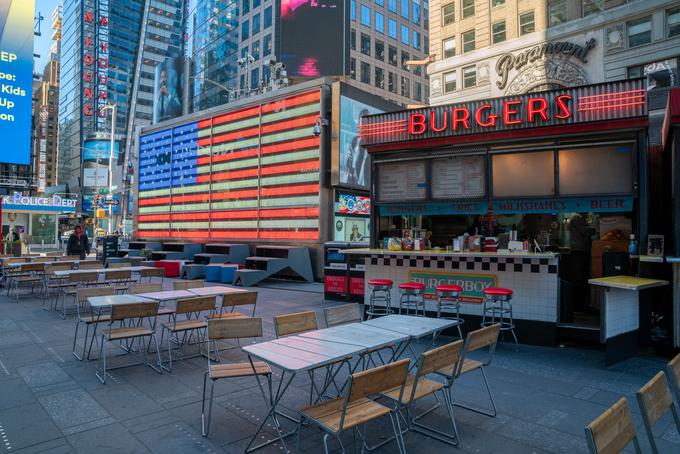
532,276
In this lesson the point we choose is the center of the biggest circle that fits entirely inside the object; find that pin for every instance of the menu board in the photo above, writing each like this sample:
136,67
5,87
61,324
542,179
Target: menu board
458,177
402,181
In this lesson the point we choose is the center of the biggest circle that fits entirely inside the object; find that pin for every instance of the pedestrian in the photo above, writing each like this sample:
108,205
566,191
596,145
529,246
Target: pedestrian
78,244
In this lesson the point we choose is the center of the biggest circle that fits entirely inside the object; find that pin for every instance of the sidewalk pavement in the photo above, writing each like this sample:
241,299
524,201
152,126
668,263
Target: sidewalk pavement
51,402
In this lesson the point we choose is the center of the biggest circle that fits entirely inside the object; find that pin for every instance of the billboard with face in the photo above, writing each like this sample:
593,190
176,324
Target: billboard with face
355,165
167,92
16,69
311,37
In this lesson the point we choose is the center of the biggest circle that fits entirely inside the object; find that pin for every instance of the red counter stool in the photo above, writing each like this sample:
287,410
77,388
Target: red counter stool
380,292
412,297
498,309
448,297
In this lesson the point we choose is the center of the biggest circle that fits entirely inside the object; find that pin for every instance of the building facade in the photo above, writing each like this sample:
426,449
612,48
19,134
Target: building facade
45,126
494,48
369,42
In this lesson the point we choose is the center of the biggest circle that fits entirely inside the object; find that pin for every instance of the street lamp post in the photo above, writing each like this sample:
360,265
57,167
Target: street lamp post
111,153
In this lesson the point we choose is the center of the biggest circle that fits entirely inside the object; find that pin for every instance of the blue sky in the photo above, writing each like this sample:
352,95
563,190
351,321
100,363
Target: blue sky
42,43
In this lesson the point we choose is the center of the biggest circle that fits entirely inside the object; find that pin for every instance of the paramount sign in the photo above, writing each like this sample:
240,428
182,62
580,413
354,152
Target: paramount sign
473,284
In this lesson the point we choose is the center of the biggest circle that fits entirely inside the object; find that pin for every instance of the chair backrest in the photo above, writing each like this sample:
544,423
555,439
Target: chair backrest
294,323
133,310
152,272
613,430
117,275
654,398
119,265
444,358
673,368
83,277
86,292
379,379
32,267
239,299
483,337
145,288
198,304
89,265
16,260
338,315
50,269
185,285
234,328
54,254
42,259
70,257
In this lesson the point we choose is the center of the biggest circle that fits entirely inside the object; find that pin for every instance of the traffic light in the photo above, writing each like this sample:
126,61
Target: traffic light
95,200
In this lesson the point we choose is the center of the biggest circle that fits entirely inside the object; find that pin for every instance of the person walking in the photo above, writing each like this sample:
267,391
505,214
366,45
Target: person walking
78,244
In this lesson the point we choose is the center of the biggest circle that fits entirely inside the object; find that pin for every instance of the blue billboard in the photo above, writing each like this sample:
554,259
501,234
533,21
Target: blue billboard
96,153
16,80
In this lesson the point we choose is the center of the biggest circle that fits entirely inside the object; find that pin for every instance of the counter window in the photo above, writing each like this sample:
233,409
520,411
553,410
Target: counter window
458,177
605,170
524,174
402,181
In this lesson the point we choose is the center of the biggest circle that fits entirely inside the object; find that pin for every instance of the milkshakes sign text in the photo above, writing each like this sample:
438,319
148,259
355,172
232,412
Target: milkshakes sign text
611,101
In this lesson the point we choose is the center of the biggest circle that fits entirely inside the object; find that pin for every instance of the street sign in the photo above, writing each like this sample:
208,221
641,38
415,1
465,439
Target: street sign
112,202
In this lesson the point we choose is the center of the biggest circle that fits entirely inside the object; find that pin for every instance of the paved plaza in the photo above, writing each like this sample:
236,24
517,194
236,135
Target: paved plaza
51,402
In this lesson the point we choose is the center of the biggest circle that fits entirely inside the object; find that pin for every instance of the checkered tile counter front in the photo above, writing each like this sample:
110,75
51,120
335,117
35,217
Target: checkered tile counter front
533,279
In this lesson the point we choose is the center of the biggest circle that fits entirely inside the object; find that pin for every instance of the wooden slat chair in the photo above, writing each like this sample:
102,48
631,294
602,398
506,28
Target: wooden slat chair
419,386
655,400
230,329
131,319
30,275
486,337
151,273
119,279
190,322
119,265
613,430
54,284
358,406
186,285
235,300
54,254
42,260
673,369
10,271
74,282
145,288
70,257
88,318
90,265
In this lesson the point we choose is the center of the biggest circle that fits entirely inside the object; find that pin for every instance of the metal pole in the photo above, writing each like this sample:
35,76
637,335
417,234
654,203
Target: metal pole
111,152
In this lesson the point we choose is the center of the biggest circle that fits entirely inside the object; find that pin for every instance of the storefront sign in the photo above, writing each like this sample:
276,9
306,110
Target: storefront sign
603,204
473,284
18,201
435,208
611,101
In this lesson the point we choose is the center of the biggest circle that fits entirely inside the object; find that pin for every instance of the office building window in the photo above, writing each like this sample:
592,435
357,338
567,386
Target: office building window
673,22
255,50
415,12
591,7
639,32
365,72
379,22
380,2
449,47
245,30
469,41
267,45
498,32
242,81
392,55
526,23
256,24
416,40
353,39
379,78
246,6
404,60
392,82
495,3
557,12
256,3
392,28
365,15
353,9
255,78
405,35
426,44
353,68
469,76
426,14
392,5
365,44
418,91
450,81
379,50
417,70
448,14
404,9
267,17
405,87
468,8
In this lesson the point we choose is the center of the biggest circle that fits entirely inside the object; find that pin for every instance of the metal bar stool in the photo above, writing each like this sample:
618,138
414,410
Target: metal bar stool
498,309
448,297
412,297
380,292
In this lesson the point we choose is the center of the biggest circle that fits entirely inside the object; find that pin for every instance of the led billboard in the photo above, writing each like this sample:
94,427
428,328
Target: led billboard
96,162
168,88
311,37
16,80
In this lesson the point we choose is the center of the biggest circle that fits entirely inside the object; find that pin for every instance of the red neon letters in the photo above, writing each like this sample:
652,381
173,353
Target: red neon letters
533,110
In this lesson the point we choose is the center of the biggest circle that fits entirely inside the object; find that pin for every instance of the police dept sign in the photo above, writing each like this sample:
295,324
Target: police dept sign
473,284
18,201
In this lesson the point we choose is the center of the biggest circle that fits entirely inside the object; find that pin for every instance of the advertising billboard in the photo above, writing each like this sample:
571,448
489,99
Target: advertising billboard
311,37
355,164
168,89
351,217
96,154
16,79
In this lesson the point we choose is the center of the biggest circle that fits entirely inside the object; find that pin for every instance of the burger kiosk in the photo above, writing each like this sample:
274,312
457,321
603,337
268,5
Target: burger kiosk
539,193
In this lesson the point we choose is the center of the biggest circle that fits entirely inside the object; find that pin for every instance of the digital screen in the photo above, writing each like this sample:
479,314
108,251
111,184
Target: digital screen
355,163
96,155
16,67
168,88
311,37
244,174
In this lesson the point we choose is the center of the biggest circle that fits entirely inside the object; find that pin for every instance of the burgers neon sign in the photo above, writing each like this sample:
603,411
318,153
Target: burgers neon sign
531,112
